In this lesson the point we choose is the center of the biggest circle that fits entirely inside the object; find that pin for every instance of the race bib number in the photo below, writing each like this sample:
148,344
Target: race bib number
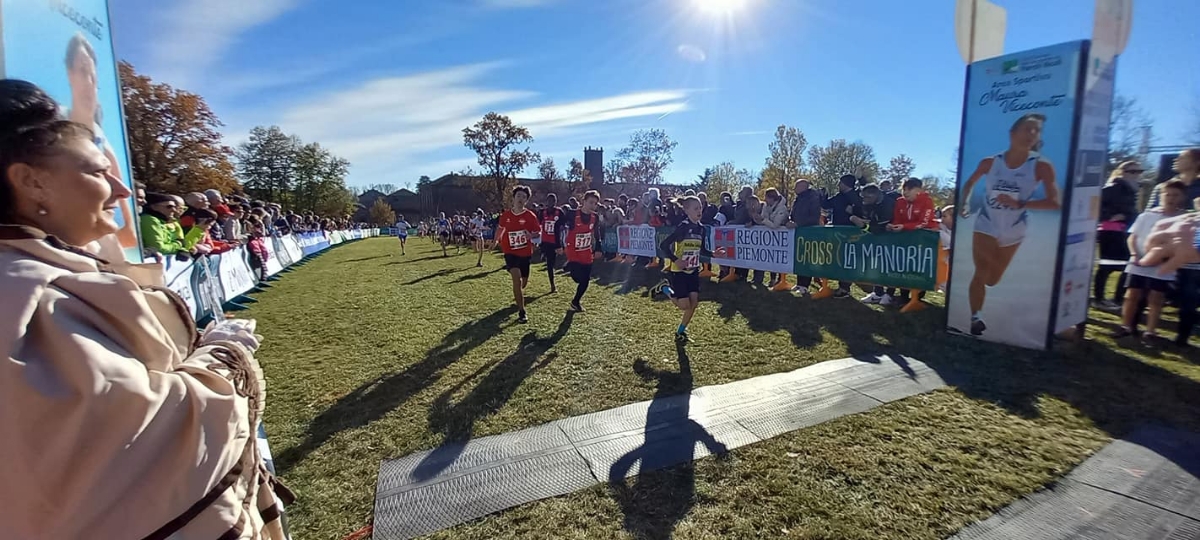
583,241
690,259
548,226
517,239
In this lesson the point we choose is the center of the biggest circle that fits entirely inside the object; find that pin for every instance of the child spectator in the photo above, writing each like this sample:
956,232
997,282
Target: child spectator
1140,279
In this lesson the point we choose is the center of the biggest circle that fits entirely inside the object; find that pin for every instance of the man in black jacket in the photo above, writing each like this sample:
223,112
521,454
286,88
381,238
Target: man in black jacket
841,206
806,212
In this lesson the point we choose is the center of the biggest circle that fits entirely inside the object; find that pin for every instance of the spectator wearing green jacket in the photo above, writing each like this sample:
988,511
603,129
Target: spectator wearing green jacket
160,232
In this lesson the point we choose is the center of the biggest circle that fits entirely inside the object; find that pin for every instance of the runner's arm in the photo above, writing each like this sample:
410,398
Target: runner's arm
560,227
985,164
1045,174
668,243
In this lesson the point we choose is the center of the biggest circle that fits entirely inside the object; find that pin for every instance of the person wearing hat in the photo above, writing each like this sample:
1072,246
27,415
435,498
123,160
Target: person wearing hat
1118,209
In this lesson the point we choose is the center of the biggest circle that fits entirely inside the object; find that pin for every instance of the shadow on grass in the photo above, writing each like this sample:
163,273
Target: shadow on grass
1115,390
373,399
362,259
438,274
457,420
475,276
659,499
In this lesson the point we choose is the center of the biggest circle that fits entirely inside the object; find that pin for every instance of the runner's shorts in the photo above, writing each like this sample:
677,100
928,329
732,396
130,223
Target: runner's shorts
518,262
548,249
683,284
1005,236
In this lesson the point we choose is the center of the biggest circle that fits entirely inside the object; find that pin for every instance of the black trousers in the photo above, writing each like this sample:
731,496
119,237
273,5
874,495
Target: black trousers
1113,247
1188,282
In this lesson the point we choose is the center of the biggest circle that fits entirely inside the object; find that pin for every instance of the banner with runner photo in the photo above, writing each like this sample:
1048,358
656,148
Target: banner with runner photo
65,47
1019,123
905,259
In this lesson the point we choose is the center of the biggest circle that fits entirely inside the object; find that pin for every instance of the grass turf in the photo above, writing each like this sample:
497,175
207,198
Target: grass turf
370,355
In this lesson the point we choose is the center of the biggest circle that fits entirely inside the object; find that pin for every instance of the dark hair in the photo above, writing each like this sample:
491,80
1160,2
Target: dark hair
871,189
523,189
848,180
726,195
593,194
204,214
772,193
30,132
154,198
913,183
1175,183
552,197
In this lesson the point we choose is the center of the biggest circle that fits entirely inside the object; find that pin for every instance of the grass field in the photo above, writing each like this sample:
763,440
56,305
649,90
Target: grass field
370,355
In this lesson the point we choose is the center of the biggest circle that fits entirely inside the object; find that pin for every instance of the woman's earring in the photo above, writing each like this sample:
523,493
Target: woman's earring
42,211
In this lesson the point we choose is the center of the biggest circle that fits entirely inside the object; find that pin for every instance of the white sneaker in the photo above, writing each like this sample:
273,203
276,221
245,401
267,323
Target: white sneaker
886,300
801,292
871,299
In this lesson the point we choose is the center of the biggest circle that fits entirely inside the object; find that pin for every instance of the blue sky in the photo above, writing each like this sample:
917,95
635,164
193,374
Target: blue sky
390,84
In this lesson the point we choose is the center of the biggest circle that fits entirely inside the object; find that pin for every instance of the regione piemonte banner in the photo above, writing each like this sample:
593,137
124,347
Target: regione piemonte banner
1019,120
65,47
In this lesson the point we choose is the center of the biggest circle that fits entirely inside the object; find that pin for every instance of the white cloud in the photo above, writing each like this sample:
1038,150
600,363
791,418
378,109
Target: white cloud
412,125
691,53
194,34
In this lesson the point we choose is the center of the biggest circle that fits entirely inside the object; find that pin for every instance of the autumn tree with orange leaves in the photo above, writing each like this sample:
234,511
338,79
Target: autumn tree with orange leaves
174,142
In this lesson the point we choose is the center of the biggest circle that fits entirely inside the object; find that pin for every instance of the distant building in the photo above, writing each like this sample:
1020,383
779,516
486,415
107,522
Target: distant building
593,163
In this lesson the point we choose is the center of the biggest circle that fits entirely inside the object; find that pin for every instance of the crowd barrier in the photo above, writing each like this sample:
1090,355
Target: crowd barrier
907,259
209,282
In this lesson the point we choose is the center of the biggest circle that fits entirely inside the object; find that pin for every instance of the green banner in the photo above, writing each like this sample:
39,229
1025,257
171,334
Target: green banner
905,259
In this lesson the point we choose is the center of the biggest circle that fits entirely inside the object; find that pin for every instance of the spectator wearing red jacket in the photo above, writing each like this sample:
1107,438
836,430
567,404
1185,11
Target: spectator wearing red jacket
914,210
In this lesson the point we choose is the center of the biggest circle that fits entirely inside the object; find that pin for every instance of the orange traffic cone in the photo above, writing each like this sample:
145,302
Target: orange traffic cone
824,291
914,302
783,284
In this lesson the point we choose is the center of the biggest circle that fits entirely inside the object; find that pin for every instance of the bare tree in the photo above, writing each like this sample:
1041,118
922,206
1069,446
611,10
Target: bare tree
549,171
1130,131
496,141
647,156
899,169
785,165
829,163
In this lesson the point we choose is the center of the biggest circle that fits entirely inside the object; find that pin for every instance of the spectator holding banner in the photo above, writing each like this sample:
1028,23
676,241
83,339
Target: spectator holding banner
876,218
846,203
167,417
806,212
914,210
774,216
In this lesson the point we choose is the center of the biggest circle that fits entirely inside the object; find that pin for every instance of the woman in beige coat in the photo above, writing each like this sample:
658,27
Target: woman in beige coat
117,419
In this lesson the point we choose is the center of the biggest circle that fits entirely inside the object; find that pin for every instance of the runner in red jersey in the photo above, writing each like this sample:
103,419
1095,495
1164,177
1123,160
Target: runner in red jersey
516,231
580,230
549,218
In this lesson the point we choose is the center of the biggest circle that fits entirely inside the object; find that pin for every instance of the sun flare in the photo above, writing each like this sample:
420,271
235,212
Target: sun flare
724,7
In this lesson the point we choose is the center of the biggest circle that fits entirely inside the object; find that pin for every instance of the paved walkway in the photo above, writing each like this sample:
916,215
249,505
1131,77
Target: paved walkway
1145,487
429,491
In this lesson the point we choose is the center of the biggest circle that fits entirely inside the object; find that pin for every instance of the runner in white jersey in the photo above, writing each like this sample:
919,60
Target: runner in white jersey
402,232
1012,177
443,232
478,224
